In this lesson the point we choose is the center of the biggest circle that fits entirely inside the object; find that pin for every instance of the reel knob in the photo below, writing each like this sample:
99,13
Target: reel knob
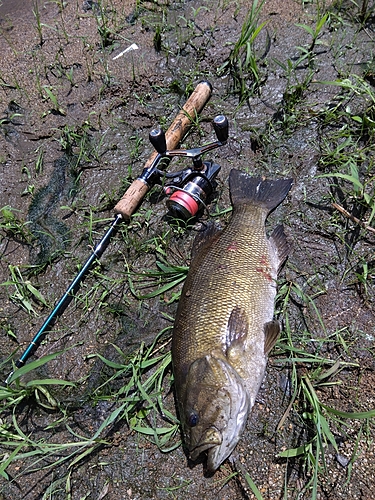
221,127
158,140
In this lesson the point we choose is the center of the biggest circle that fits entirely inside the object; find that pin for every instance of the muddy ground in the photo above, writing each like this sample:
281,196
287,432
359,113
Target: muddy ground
74,124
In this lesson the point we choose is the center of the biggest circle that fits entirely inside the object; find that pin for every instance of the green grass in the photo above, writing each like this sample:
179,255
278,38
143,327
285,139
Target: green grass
136,382
242,63
313,372
11,226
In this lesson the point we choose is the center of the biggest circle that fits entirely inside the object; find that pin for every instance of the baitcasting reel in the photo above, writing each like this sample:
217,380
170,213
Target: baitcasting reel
189,188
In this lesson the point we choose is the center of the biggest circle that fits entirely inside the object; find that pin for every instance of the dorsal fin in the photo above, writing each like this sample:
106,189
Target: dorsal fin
280,244
204,239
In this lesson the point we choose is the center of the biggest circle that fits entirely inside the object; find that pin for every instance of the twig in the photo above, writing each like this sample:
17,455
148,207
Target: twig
352,218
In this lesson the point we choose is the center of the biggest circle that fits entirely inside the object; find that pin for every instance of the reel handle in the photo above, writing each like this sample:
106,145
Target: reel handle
158,140
180,125
221,127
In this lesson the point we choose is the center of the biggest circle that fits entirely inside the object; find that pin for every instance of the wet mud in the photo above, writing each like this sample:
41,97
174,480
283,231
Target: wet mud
74,123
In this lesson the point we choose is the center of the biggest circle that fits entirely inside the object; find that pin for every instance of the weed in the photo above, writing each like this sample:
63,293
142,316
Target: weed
108,26
163,280
308,52
25,293
52,98
242,63
77,142
139,401
145,372
12,227
362,11
312,372
8,119
39,161
347,156
39,25
136,151
251,484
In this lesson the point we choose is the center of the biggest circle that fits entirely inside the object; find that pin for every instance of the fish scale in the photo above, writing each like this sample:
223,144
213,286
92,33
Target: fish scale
224,326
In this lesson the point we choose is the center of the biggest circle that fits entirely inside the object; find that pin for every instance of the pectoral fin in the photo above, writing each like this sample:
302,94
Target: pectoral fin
271,334
237,327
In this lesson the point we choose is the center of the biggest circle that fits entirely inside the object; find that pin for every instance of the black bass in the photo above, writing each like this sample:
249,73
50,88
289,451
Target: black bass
224,326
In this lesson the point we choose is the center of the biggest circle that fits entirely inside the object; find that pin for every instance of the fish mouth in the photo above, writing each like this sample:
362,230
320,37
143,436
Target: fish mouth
217,450
210,439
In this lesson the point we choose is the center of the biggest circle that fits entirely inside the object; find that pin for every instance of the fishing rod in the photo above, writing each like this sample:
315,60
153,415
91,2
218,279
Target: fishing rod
187,190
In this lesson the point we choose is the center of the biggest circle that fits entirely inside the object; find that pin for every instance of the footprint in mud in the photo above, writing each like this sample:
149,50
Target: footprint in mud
52,235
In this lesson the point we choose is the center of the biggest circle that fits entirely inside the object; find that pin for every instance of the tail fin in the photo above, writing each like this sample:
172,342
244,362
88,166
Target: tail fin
266,193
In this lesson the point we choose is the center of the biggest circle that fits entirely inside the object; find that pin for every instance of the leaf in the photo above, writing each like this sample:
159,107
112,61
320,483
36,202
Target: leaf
36,293
309,30
111,364
294,452
346,177
327,431
49,381
4,464
354,415
34,364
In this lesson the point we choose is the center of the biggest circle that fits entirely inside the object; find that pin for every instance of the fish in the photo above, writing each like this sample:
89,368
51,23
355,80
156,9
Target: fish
224,326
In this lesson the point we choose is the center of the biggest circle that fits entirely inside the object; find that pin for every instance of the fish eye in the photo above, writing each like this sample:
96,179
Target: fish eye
193,419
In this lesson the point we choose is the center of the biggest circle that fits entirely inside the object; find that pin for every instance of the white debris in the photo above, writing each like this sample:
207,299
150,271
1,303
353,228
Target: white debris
133,46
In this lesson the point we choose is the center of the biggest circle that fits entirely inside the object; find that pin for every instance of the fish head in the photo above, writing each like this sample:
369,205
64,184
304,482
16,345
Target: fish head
214,410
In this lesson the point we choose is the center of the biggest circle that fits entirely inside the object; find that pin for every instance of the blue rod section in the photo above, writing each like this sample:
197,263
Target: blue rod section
69,294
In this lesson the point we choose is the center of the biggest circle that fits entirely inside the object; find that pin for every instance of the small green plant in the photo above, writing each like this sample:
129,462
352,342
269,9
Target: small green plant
8,119
12,227
242,63
308,52
39,24
52,98
39,161
25,293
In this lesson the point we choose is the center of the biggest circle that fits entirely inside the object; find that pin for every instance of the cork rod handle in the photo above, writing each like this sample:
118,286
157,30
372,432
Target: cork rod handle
193,106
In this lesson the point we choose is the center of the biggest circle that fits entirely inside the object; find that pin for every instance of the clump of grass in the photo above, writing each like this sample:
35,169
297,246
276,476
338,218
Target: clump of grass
242,63
24,293
347,154
108,21
161,280
311,372
137,382
143,408
12,227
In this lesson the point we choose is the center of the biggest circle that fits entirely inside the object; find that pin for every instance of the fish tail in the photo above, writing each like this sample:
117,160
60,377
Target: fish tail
258,191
